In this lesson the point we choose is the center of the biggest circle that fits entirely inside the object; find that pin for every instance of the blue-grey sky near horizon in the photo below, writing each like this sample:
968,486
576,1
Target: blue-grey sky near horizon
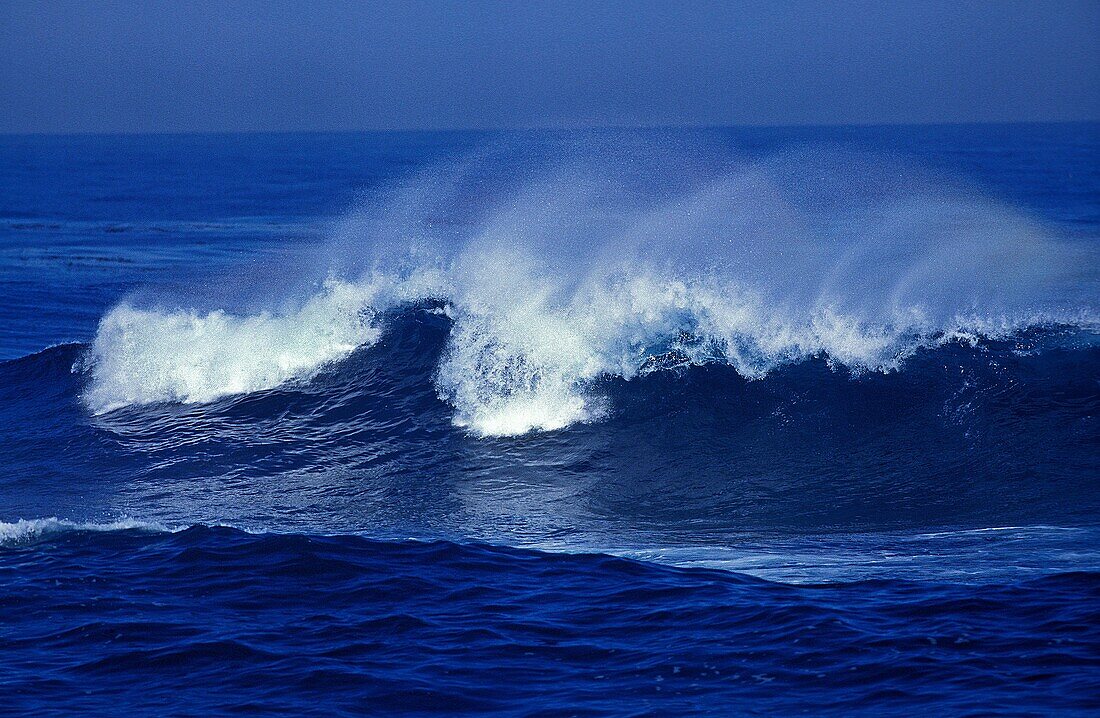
157,66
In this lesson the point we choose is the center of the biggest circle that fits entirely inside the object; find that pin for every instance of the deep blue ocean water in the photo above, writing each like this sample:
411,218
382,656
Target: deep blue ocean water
612,423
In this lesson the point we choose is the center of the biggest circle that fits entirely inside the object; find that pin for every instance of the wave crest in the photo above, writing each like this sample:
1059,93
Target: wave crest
143,356
29,530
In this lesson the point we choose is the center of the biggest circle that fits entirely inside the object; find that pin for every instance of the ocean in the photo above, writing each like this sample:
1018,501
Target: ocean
731,421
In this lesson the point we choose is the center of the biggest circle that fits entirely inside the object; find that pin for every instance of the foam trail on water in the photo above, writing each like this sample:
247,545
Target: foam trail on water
581,263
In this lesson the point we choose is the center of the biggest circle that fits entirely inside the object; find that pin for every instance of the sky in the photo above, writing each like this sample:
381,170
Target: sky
178,66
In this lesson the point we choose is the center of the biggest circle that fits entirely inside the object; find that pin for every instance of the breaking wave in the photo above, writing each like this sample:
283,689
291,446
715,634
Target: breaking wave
612,261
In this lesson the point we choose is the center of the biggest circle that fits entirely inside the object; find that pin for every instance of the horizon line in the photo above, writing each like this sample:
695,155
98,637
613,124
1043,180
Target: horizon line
538,128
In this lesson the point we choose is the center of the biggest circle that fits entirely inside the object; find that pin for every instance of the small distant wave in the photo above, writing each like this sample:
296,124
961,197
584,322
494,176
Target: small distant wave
30,530
581,269
241,225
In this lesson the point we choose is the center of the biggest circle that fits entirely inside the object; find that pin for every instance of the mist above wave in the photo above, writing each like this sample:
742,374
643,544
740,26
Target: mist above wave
562,263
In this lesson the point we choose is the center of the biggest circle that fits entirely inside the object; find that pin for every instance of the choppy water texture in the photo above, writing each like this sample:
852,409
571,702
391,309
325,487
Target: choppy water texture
608,423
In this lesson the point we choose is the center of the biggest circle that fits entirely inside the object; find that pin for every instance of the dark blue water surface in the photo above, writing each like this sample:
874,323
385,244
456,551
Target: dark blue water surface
726,422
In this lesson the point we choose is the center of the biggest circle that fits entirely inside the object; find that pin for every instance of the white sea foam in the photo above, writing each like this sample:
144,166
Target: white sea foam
143,356
26,530
584,270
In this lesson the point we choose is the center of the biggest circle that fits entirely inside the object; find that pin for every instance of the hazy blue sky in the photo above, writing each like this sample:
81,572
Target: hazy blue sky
311,65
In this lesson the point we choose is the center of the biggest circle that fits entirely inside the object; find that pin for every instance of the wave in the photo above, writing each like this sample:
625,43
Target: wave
557,273
30,530
995,433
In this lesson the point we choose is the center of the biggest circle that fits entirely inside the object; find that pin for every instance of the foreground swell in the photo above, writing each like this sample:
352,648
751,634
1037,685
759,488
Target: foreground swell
354,624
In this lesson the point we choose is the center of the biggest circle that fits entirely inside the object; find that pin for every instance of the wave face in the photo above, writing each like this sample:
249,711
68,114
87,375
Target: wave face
976,433
616,423
592,261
